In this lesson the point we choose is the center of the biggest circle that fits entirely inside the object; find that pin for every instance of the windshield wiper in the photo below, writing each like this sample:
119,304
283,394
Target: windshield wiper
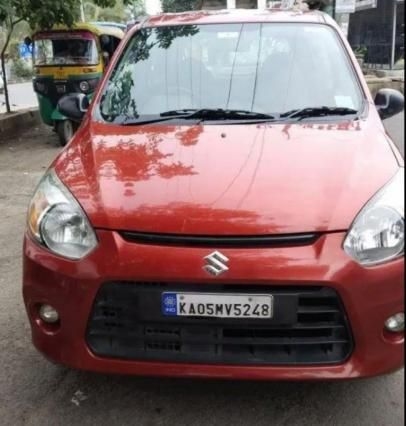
134,122
209,114
217,114
322,111
200,115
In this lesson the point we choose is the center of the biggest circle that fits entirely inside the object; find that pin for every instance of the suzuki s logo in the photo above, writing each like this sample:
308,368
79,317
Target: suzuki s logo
216,263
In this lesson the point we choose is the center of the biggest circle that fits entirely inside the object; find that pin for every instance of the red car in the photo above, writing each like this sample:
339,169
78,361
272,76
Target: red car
230,207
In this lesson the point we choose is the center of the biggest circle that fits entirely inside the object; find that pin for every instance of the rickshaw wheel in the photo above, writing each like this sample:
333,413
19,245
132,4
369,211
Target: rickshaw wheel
65,129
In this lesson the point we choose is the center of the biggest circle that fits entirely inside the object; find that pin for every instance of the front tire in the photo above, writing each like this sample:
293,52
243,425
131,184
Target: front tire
65,129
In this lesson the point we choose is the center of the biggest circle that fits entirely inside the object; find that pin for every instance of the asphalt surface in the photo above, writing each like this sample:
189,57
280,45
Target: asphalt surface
36,392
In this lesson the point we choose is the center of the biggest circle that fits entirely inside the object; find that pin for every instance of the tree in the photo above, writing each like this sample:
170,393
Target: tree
181,5
135,8
121,11
40,14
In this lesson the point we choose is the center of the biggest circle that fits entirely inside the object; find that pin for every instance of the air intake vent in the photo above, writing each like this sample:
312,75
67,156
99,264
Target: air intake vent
309,328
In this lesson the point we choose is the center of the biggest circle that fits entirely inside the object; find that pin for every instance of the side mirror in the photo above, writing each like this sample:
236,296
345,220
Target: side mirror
74,106
389,102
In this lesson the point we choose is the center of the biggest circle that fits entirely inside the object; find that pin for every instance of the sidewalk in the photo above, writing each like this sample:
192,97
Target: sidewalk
22,97
16,122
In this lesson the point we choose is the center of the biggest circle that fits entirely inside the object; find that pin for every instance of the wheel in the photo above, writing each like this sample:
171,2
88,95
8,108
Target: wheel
65,129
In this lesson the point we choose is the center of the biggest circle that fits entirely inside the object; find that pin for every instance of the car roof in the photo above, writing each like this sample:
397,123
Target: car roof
237,16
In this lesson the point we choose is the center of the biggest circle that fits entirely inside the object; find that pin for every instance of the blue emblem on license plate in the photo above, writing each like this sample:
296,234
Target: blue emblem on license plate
169,304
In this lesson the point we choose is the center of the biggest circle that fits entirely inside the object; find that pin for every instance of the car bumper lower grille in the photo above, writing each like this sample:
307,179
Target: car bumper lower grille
309,327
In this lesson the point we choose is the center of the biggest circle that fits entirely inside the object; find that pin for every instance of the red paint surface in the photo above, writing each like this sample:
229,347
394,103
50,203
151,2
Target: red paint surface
369,296
258,179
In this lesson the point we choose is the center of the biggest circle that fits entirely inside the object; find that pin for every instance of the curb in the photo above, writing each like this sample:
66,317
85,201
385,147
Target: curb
11,124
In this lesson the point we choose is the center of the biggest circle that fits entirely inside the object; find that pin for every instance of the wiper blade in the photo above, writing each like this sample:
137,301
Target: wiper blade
135,122
217,114
322,111
178,112
200,115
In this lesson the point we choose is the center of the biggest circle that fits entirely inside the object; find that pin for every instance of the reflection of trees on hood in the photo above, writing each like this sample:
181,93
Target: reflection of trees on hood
190,136
119,100
142,160
128,159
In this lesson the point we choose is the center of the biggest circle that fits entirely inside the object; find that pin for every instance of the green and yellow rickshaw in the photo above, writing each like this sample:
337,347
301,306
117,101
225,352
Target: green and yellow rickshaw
70,60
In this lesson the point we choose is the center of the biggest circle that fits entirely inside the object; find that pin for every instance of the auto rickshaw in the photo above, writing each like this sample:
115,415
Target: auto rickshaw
70,60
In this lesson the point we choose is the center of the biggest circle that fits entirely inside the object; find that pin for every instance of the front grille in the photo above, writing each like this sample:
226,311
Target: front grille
236,241
309,326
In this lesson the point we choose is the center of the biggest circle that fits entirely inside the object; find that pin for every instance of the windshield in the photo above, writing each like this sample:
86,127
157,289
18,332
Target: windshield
265,68
66,48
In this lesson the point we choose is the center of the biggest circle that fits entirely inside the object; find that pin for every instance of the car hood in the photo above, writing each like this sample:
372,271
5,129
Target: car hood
227,179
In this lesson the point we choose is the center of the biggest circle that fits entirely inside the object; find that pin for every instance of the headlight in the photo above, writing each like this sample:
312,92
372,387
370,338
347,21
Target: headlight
84,86
378,233
56,220
40,87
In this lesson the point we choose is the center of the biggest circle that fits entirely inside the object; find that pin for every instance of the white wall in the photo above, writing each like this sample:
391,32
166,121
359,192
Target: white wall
152,7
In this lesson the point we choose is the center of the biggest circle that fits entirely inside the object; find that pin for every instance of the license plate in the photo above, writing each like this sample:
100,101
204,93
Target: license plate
252,306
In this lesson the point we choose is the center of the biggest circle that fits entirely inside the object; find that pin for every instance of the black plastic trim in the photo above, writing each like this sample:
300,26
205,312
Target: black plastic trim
217,241
309,327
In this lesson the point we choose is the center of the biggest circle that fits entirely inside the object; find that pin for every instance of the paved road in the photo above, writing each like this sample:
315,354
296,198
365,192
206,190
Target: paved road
21,96
36,393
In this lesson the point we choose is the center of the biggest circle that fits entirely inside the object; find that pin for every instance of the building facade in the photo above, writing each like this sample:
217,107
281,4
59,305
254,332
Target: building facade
377,27
234,4
256,4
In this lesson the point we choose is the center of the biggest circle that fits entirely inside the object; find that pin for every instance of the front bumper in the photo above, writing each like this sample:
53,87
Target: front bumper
369,296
